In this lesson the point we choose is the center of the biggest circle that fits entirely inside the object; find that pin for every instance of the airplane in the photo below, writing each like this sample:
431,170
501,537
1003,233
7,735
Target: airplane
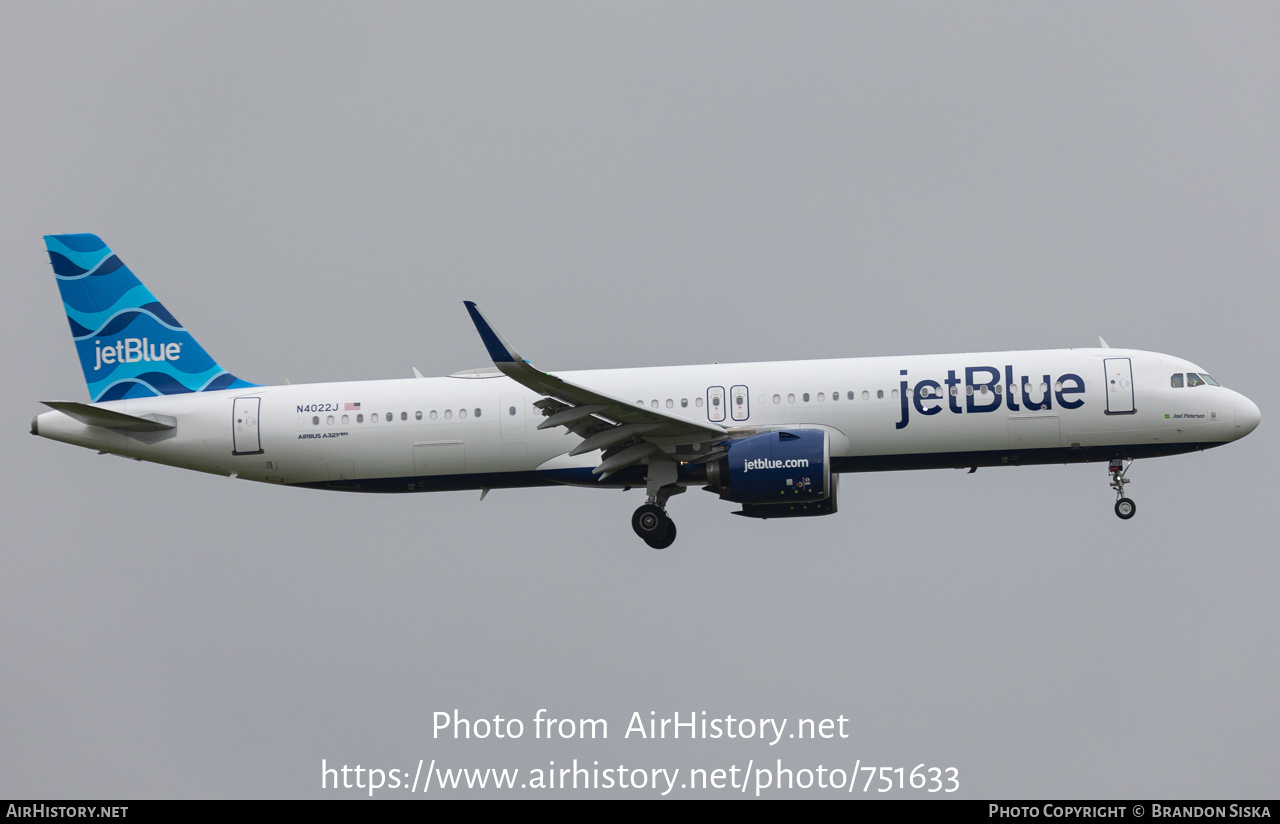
773,438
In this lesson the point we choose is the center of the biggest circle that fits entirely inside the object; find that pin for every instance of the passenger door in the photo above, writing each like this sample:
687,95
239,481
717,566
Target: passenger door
1119,386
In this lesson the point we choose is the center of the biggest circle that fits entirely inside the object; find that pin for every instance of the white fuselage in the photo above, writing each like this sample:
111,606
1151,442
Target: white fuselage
424,434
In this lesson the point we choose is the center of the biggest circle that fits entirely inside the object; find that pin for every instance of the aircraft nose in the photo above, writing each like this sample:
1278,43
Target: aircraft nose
1248,416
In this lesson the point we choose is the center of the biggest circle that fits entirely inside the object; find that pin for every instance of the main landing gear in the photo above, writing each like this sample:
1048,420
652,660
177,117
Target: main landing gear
651,521
654,526
1125,507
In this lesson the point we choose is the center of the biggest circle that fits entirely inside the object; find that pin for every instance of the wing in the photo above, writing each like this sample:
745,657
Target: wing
628,433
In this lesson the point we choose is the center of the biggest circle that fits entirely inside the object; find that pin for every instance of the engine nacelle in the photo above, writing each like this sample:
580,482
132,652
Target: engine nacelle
777,474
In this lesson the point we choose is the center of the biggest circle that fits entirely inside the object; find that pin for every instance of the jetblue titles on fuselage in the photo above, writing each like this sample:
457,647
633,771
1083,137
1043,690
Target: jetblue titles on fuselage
984,392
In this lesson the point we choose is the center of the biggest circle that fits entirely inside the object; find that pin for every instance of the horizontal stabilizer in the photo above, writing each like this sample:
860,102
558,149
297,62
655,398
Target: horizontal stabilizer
91,415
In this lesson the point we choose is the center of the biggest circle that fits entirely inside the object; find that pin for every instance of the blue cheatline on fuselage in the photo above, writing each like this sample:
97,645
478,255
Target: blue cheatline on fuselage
129,345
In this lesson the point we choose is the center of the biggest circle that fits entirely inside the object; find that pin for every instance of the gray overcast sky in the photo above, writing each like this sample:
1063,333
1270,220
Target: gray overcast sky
314,189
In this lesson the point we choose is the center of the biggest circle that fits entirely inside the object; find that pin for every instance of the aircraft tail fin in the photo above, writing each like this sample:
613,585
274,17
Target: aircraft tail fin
129,345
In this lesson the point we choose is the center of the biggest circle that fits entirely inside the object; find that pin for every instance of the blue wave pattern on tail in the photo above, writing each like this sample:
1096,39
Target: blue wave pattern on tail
129,345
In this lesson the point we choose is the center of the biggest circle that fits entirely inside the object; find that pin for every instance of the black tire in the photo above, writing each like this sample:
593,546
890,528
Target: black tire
667,541
650,522
1126,509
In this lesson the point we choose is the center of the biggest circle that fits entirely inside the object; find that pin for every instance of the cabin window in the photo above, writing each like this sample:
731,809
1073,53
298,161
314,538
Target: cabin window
670,403
462,413
391,416
1026,389
880,394
850,396
968,390
821,397
329,420
359,418
791,398
684,403
448,414
433,414
653,404
345,419
372,418
997,389
806,397
777,399
865,394
302,421
894,393
697,402
511,410
315,420
476,411
417,416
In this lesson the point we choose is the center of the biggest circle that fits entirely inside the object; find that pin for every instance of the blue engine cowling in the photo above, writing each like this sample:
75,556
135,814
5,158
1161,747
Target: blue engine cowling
778,469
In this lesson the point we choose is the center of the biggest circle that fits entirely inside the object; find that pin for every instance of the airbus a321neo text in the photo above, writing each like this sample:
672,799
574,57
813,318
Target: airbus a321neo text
772,438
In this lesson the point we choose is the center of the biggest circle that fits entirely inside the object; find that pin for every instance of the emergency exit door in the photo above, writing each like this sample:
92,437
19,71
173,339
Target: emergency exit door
739,403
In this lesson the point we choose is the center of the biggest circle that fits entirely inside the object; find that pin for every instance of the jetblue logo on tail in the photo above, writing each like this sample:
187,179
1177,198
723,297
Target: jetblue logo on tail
129,345
132,350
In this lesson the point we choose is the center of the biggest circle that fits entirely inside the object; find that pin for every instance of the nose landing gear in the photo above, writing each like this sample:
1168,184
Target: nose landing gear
1125,507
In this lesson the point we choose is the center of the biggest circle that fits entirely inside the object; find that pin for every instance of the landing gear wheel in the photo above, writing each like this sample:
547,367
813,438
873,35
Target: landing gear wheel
667,541
1126,509
651,523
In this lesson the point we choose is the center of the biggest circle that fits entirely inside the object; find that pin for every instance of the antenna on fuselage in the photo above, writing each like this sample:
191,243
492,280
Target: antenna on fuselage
1103,343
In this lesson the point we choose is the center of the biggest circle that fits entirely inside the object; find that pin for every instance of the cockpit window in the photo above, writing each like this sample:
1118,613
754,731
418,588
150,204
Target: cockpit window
1176,380
1194,380
1209,380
